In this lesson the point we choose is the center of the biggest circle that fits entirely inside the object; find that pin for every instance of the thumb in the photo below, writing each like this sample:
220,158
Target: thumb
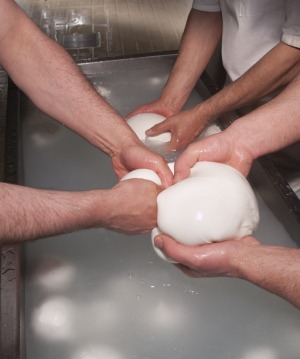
183,165
158,129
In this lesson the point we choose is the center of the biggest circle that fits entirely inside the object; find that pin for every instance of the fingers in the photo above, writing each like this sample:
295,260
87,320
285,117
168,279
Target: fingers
159,129
184,163
178,141
164,127
164,173
210,260
207,149
174,250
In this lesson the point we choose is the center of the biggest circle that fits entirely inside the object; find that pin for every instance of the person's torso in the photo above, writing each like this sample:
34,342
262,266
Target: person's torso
251,28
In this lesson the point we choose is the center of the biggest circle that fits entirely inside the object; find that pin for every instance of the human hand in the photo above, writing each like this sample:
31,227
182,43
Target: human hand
133,206
221,148
184,128
153,107
135,156
206,260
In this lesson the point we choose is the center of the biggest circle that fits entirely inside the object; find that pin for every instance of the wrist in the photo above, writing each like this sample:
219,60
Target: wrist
243,140
204,113
172,101
246,264
109,205
99,205
113,139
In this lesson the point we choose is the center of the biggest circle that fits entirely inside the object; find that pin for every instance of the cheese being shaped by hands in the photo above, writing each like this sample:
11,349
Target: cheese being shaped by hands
143,173
142,122
215,203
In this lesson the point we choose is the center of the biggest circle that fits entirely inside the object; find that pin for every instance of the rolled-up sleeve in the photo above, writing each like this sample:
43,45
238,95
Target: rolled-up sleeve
291,28
207,5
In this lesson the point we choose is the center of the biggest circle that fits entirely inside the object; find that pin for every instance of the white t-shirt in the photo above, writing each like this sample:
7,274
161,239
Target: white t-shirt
251,28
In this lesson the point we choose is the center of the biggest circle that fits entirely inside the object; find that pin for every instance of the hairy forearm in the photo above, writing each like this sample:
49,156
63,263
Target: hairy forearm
276,69
276,269
200,39
49,76
272,126
28,213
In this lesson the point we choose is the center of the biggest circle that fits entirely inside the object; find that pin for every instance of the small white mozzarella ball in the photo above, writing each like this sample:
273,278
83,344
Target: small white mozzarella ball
143,173
142,122
210,130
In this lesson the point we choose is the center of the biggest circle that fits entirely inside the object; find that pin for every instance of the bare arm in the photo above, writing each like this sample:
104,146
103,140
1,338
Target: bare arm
276,269
267,129
277,68
49,76
273,268
199,41
28,213
274,70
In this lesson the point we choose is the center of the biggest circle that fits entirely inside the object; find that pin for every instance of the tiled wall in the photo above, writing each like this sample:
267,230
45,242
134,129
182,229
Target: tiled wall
123,26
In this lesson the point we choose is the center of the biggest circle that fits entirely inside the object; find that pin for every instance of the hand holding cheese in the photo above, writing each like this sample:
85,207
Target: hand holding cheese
215,203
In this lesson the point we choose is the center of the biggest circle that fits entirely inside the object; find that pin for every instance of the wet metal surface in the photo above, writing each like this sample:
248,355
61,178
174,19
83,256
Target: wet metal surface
97,294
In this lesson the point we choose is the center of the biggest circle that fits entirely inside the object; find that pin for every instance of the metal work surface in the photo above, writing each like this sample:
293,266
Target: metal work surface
98,294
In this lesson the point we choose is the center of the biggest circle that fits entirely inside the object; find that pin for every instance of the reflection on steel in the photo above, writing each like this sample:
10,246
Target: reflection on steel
79,41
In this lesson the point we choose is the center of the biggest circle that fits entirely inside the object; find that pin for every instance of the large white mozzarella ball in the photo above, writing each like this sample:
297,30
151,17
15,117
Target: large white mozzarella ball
142,122
215,203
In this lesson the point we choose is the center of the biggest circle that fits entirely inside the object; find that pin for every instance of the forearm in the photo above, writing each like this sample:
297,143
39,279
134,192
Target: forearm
270,127
276,69
48,75
200,39
276,269
28,213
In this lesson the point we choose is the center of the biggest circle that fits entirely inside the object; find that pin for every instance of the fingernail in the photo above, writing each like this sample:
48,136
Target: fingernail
158,241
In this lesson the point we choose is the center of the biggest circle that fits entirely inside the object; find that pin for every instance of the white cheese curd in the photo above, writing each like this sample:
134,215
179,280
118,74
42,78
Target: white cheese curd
142,122
143,173
215,203
210,130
